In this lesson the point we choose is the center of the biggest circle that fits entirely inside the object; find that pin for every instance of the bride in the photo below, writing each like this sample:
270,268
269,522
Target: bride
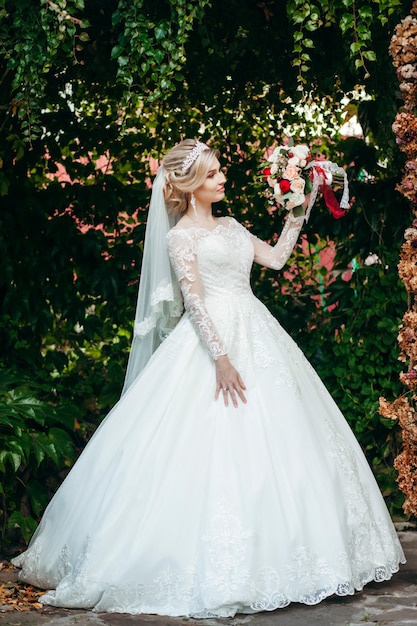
225,480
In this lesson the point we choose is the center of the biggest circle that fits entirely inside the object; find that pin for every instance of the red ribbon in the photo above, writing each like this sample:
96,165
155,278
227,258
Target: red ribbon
332,203
330,199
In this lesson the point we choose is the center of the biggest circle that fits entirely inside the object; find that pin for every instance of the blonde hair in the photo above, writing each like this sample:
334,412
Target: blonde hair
179,184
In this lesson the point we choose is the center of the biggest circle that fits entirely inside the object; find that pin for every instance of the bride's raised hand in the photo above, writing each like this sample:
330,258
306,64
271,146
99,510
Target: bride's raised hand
228,381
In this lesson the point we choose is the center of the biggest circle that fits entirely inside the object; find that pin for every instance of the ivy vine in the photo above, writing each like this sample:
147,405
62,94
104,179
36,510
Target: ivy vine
37,39
31,38
151,47
355,20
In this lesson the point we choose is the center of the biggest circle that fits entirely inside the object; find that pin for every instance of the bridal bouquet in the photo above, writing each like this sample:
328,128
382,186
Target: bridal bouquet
292,173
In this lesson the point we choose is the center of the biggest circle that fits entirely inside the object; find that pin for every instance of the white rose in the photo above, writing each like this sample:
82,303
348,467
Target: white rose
274,169
297,185
274,156
278,194
301,152
293,161
277,190
296,200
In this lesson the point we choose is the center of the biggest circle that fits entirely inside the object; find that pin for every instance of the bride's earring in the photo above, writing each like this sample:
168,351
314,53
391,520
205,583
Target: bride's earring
193,203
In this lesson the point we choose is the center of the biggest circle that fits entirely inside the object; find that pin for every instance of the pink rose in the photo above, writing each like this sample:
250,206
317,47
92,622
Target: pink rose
291,172
298,185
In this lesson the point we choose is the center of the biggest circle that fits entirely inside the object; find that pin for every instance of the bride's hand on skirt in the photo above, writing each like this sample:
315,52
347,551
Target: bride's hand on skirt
228,381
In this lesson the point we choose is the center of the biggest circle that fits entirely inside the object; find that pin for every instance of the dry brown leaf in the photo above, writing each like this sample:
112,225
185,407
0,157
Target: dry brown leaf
20,597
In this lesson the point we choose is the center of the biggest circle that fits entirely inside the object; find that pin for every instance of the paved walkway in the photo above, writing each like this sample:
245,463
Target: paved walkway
393,603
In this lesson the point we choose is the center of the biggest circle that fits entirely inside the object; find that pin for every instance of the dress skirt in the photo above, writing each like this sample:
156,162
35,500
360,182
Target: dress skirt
182,506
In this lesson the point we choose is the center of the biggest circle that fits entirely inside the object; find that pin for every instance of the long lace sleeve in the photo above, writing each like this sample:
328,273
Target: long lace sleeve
276,256
182,253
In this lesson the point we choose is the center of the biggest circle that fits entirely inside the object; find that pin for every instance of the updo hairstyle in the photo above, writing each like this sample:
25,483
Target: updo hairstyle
178,184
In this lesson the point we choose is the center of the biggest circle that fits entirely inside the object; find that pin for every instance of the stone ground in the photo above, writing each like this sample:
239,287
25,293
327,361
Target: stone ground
393,603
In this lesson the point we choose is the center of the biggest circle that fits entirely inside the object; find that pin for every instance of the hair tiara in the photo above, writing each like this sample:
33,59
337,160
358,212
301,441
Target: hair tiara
193,156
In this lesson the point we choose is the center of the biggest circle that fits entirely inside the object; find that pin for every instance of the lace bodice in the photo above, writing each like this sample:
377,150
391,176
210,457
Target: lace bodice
216,264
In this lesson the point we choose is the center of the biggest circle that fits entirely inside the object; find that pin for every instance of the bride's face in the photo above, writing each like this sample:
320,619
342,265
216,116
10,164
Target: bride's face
212,190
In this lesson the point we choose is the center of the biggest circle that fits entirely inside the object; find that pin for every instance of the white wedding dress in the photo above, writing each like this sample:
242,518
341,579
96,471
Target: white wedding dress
182,506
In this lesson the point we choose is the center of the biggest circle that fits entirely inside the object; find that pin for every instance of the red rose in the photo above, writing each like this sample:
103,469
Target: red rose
266,173
284,185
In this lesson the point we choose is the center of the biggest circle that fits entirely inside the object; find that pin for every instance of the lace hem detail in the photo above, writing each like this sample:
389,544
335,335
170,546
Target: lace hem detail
183,593
225,585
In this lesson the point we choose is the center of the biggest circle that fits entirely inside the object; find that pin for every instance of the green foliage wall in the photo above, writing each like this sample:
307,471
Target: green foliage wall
123,81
